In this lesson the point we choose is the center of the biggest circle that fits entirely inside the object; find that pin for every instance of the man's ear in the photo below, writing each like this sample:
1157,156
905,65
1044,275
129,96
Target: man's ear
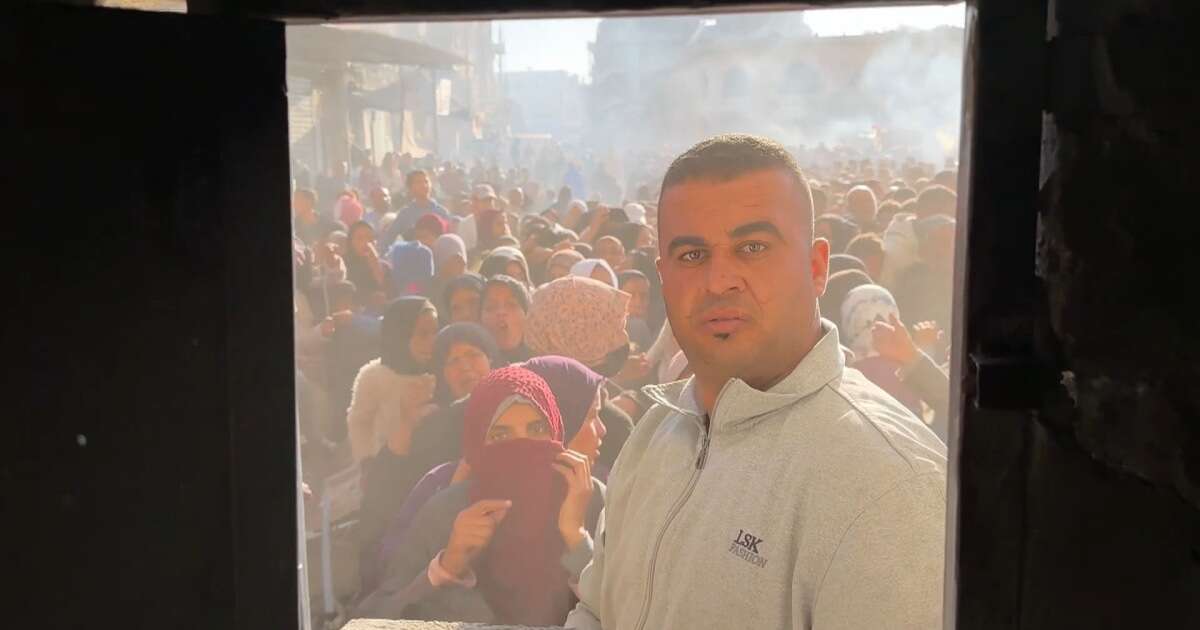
819,264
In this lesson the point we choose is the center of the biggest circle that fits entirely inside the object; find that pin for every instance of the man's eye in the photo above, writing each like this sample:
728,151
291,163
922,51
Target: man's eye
754,248
497,436
539,428
693,256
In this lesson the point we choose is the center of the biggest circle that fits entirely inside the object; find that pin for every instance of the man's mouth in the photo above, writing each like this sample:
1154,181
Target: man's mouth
723,323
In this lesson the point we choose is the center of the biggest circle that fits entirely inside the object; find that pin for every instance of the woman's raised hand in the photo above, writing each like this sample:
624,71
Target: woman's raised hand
577,471
473,531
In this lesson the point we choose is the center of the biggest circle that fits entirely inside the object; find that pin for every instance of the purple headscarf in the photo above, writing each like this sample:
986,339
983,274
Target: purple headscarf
412,267
574,384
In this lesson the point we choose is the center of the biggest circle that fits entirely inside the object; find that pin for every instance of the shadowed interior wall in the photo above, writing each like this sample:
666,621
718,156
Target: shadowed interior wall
147,474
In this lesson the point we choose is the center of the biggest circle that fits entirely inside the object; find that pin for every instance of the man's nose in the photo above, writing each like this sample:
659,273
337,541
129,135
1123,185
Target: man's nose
724,275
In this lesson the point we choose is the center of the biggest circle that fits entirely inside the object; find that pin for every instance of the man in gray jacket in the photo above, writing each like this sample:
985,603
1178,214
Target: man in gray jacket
775,488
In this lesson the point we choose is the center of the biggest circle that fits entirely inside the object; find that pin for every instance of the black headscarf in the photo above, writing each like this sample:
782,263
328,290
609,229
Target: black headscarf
521,293
518,288
842,262
398,322
497,263
843,231
631,274
462,332
836,288
467,280
627,233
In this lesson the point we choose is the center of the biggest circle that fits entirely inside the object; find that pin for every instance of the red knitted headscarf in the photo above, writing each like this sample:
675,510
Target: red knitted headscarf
520,573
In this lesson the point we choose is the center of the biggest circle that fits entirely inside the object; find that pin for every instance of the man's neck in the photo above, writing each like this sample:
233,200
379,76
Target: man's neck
706,391
421,202
708,386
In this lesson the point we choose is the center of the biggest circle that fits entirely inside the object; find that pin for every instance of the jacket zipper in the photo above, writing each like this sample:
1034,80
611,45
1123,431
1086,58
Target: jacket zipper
687,493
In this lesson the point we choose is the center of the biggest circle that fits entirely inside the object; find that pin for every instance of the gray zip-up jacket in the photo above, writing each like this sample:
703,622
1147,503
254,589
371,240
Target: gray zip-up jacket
817,504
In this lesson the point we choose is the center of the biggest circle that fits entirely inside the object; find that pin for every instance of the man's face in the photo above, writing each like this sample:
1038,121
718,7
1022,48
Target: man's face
419,187
741,274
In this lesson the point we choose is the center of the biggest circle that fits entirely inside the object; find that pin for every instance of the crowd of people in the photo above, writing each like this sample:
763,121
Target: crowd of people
473,344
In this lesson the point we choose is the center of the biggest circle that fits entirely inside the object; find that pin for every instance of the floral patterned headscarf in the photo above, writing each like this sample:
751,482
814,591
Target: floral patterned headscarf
580,318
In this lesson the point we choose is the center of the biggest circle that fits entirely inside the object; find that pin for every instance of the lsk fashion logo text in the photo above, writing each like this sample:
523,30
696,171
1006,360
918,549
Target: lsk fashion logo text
747,547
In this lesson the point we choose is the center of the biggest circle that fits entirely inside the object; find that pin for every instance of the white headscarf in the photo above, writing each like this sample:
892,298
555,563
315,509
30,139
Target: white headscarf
899,248
467,230
862,307
448,246
585,268
636,213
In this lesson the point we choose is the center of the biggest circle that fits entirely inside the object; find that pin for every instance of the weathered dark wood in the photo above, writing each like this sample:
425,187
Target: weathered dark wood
149,471
995,310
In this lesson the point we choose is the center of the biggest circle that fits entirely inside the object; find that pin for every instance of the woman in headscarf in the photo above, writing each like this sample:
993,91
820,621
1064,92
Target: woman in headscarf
390,392
636,213
508,261
503,307
900,248
449,262
637,285
506,545
836,288
583,319
349,210
574,215
560,264
842,262
463,354
412,267
836,229
428,228
596,269
643,260
364,267
461,299
862,308
582,401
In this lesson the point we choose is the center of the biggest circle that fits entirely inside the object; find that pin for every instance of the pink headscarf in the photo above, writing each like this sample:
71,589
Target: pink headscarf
349,210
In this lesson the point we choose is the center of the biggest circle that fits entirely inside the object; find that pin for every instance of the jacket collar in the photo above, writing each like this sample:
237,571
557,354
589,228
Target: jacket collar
738,402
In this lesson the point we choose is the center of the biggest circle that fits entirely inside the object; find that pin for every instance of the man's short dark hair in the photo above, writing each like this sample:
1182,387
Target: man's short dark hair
729,156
